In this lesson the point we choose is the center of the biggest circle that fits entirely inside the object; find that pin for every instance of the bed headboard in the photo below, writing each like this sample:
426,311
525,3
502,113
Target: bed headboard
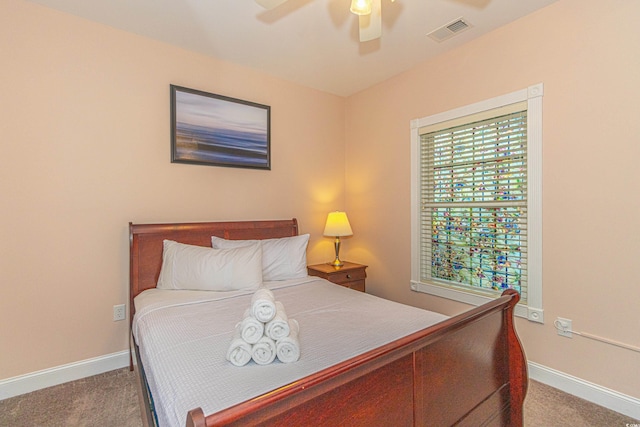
145,244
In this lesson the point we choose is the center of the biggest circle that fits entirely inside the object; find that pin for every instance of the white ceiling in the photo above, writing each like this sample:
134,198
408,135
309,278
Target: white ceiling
310,42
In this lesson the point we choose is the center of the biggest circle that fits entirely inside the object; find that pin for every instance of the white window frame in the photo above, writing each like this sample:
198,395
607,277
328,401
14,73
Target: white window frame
533,96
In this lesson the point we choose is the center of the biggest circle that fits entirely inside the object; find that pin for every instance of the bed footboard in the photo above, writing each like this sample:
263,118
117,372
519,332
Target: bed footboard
467,370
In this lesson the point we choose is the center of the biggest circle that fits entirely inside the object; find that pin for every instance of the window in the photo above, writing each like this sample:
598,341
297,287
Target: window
476,193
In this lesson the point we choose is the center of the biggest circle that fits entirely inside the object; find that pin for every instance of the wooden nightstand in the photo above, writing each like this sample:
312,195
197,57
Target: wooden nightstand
350,275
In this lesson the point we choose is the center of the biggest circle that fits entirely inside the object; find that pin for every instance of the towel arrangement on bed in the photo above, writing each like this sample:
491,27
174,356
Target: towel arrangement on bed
264,333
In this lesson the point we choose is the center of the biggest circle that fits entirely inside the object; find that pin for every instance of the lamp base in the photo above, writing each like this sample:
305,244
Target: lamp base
336,263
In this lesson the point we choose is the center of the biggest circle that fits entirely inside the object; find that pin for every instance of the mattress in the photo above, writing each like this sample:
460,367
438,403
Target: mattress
183,337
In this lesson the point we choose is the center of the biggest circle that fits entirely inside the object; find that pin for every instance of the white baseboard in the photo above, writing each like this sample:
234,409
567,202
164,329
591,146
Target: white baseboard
22,384
61,374
621,403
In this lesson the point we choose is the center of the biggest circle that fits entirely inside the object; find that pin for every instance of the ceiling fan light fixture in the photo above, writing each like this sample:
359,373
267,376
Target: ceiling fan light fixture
361,7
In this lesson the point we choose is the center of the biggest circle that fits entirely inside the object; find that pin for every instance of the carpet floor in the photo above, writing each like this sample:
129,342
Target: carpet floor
110,400
105,400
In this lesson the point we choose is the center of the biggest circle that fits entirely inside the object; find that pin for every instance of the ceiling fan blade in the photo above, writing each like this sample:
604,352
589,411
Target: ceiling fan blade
371,25
270,4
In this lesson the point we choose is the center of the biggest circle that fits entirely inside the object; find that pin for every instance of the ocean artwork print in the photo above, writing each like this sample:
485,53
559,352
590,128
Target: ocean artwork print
209,129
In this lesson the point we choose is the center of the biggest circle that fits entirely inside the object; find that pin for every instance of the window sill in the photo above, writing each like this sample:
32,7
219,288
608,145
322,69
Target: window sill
522,310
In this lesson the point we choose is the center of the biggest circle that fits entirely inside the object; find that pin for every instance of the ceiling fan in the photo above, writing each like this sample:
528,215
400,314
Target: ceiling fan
369,16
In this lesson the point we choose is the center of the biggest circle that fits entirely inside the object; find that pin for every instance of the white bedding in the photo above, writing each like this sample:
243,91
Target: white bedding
184,335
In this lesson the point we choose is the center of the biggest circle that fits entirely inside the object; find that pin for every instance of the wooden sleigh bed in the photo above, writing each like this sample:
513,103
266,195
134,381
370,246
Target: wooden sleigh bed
467,370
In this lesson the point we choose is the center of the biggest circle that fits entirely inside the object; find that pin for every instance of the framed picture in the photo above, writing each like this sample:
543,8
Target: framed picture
209,129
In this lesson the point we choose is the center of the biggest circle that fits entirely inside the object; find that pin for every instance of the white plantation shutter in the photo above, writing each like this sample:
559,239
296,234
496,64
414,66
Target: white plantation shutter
473,192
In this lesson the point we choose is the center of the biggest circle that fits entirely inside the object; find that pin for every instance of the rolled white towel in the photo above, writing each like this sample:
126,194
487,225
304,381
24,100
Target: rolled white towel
278,327
251,328
264,351
288,348
263,305
239,352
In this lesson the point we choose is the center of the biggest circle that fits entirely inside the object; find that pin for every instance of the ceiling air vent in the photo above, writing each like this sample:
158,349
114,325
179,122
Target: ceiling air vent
449,30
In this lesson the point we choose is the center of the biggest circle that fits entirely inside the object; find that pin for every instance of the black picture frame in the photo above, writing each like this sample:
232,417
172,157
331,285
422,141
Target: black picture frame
215,130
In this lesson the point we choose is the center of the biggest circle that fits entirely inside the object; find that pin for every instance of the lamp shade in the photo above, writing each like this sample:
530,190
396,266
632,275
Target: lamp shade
337,225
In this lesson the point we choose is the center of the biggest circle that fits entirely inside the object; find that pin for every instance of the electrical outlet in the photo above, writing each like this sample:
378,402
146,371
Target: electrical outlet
564,327
119,312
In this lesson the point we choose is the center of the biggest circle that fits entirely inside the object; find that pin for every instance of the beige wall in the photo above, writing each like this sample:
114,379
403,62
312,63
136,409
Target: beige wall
585,52
84,131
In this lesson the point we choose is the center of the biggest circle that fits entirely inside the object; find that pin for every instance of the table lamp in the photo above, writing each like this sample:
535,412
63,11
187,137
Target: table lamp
337,226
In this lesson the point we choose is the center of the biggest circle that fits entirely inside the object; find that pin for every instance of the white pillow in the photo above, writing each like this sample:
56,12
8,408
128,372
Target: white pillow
282,259
200,268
